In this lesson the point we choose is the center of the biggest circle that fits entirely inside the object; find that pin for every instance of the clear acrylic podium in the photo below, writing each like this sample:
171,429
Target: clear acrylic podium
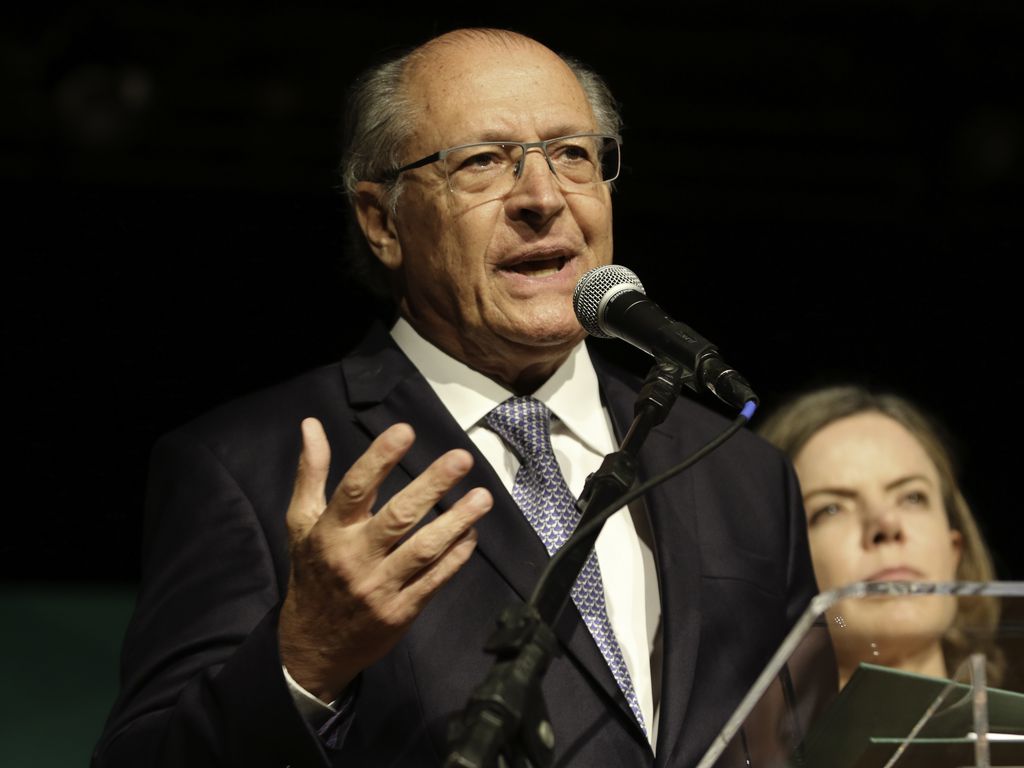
798,715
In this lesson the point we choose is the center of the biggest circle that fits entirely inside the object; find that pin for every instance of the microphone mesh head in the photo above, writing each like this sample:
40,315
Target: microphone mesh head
595,289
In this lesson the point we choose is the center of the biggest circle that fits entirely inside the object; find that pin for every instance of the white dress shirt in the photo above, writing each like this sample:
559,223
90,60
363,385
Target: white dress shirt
581,435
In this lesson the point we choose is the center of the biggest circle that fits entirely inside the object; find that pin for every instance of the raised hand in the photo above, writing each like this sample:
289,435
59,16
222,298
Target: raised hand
355,584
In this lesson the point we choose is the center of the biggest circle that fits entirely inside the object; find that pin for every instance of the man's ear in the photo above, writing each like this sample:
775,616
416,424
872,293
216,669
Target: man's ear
377,221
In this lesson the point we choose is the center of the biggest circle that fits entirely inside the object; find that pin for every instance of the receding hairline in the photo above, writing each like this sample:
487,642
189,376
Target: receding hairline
421,64
433,51
505,38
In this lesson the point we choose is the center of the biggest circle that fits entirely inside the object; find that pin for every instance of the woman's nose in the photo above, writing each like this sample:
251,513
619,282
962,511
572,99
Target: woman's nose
882,525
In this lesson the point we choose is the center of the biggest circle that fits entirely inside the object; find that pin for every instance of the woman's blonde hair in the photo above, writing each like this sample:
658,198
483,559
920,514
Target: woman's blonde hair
790,426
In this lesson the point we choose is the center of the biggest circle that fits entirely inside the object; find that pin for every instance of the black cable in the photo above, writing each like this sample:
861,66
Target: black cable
493,722
584,533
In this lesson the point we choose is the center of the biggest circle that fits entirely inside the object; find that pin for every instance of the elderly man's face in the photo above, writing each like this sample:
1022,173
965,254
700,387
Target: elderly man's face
491,281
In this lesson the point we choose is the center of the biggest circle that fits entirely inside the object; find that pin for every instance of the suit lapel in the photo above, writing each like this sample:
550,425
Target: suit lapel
385,388
671,509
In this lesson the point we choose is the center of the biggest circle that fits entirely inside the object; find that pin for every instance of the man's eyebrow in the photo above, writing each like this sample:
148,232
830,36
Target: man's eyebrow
500,135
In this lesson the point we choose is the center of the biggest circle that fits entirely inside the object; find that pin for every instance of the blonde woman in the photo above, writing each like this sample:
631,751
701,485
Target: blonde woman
883,504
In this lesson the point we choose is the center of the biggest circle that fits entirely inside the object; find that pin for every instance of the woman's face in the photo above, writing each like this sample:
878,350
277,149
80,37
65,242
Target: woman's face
875,512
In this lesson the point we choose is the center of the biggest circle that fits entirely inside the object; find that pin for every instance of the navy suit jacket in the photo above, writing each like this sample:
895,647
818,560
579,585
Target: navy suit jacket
201,675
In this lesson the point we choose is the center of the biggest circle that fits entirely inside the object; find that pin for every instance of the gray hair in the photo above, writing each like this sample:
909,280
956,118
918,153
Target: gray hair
378,125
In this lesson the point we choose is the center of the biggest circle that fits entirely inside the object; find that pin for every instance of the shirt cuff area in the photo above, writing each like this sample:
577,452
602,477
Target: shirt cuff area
310,707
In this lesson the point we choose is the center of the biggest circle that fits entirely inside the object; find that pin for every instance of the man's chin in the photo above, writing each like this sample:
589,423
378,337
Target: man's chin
547,337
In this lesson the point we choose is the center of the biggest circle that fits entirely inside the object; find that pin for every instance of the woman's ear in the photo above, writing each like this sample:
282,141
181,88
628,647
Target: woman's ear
377,221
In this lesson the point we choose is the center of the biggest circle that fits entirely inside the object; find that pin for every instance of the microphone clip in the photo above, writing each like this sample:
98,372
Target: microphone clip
661,388
506,721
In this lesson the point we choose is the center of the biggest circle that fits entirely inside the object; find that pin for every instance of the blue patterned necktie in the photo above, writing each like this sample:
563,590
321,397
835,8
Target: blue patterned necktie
544,497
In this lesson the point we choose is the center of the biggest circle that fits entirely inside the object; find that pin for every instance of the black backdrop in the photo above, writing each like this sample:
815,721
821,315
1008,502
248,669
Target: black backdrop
829,191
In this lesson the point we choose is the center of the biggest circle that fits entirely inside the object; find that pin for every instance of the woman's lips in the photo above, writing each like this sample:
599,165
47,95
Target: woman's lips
898,573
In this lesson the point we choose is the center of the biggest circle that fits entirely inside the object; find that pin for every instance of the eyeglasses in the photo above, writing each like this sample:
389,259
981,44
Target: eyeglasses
492,168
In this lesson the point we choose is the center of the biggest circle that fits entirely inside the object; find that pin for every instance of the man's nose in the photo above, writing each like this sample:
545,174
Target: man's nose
537,195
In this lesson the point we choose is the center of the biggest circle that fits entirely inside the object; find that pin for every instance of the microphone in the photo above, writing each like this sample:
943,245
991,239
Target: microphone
610,302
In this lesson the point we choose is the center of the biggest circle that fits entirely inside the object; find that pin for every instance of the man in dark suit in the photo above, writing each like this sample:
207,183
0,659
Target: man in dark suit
336,614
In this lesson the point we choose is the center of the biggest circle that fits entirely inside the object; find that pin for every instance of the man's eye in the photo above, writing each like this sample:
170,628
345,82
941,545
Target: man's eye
484,159
571,153
481,161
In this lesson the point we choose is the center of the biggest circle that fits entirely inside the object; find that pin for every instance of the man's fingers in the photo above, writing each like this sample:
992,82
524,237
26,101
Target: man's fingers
408,576
409,505
417,591
422,551
308,499
427,581
358,488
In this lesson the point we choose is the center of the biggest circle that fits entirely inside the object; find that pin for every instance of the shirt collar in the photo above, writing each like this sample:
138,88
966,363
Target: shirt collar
571,393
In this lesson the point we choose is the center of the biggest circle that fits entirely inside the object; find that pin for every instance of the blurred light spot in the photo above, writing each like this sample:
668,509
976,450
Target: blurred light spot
100,105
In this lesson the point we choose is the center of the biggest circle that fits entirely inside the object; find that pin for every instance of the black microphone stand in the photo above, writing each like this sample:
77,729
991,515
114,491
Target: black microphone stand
506,723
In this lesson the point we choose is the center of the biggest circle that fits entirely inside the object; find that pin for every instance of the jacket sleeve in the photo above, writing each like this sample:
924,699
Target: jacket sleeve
810,676
201,676
800,580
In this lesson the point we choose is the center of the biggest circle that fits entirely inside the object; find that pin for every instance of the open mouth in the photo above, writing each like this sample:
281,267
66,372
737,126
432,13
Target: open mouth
539,267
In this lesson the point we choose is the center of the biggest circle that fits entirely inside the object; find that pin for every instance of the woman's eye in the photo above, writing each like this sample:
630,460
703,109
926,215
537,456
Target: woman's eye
914,499
825,511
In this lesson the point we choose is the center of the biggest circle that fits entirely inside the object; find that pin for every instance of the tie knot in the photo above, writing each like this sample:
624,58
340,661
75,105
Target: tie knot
525,424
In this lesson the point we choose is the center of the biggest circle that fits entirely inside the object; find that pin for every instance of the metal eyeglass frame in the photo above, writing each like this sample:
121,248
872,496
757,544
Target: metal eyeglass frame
524,145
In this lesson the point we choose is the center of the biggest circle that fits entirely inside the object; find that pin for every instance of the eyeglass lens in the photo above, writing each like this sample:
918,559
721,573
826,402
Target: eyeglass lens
494,168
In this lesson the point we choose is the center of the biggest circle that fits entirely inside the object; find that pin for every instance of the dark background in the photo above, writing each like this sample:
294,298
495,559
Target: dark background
828,190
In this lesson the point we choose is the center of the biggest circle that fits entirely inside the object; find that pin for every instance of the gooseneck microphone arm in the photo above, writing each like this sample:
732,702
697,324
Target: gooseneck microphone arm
614,478
600,516
505,722
506,715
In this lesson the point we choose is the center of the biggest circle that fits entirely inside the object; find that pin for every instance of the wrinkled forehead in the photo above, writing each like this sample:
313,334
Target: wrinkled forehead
479,89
